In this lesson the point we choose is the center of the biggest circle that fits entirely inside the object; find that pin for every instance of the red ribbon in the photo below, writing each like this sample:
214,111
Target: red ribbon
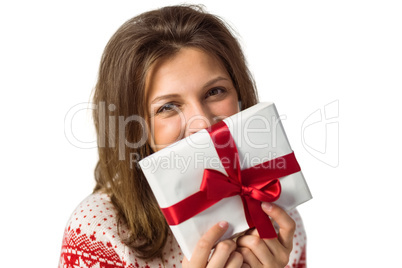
254,185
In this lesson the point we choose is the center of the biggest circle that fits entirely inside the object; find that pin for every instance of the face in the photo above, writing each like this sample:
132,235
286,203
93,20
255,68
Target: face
185,93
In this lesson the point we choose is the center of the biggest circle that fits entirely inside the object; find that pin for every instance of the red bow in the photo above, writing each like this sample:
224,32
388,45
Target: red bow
254,185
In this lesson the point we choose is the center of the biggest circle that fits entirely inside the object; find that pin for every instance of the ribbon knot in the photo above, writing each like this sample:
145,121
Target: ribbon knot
245,191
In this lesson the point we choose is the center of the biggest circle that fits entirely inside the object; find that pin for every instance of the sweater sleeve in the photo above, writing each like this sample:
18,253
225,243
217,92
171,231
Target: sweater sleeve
90,238
297,258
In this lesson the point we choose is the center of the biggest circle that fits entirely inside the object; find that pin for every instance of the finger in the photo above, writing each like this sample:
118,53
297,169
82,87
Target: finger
287,225
258,248
273,244
248,257
222,253
235,260
266,251
277,249
207,241
252,231
185,262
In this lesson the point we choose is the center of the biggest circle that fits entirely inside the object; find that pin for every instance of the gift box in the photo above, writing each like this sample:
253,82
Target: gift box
224,173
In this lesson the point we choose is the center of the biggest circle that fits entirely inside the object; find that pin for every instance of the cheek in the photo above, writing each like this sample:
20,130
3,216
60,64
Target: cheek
166,131
226,107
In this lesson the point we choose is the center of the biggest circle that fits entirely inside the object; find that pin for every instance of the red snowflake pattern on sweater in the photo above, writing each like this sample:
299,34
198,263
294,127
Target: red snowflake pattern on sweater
91,240
79,250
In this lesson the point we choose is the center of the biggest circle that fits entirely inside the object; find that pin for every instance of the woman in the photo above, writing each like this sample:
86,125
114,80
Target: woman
180,70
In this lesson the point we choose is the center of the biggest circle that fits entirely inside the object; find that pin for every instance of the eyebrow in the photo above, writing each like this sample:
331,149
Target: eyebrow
207,84
213,81
165,97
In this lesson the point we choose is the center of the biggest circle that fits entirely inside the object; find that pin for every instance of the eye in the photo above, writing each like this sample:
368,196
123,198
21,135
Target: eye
167,107
215,91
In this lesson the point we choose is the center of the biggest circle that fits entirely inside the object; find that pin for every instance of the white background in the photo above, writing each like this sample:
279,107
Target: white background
303,54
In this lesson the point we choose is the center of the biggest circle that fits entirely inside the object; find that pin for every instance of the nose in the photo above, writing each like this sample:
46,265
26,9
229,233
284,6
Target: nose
198,117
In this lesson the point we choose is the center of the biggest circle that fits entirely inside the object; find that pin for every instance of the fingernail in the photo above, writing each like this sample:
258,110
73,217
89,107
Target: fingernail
223,224
266,206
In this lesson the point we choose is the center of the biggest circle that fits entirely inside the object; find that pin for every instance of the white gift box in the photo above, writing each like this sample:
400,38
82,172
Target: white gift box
176,172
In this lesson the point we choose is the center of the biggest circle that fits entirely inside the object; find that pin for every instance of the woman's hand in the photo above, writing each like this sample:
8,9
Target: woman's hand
225,254
275,252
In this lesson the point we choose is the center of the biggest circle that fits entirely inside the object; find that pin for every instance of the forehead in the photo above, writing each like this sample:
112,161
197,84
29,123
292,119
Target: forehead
187,69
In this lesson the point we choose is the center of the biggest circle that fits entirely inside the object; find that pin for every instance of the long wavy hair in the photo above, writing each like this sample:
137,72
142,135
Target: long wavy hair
120,93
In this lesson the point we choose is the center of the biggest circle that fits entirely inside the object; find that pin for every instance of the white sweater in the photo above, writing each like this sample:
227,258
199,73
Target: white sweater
91,240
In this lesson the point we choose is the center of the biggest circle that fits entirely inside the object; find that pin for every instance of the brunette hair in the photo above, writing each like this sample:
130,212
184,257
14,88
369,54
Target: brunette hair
129,54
